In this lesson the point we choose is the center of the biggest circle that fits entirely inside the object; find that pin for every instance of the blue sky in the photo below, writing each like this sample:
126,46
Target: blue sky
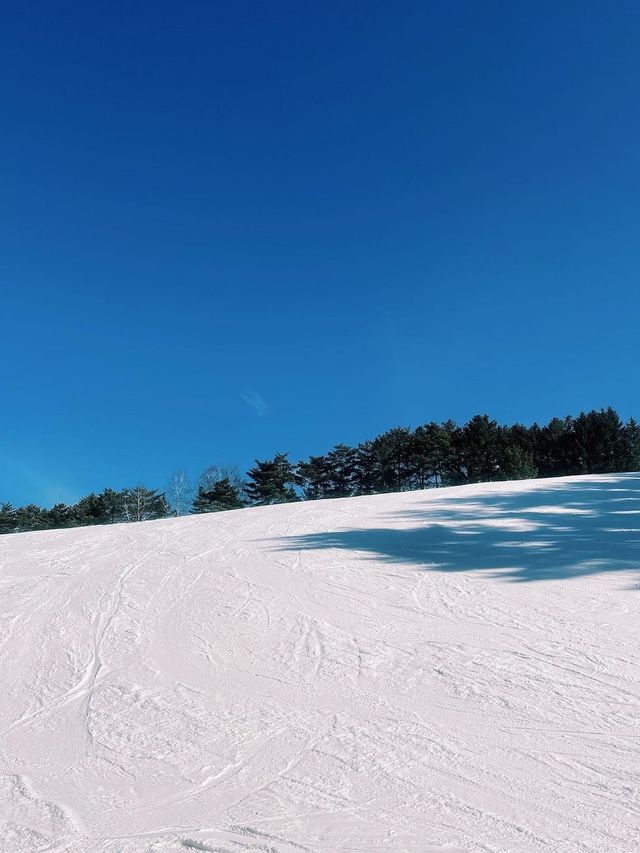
229,229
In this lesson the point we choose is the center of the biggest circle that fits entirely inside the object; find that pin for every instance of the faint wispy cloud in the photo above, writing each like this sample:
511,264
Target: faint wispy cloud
256,401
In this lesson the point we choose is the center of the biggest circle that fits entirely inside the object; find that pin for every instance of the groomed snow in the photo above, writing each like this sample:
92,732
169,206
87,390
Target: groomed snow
456,669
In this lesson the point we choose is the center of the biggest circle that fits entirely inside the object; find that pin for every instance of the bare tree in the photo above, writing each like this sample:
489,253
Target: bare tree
214,473
141,504
179,493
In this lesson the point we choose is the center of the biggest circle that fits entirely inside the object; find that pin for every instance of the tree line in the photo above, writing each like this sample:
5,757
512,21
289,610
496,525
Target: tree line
401,459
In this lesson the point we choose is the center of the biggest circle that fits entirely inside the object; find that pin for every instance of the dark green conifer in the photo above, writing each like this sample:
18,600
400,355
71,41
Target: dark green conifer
221,495
272,481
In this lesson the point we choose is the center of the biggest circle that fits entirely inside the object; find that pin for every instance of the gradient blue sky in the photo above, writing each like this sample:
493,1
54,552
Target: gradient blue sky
234,228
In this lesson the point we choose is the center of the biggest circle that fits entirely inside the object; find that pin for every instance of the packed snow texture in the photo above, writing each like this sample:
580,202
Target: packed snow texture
453,669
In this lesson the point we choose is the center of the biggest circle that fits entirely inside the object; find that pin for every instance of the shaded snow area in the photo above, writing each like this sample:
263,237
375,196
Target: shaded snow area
456,669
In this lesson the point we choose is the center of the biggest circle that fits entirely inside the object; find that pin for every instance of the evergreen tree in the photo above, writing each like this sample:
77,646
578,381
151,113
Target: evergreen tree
315,477
8,523
201,502
114,503
479,445
395,461
91,509
366,477
221,495
629,449
226,495
431,452
554,448
30,517
517,464
454,470
272,481
342,468
330,476
61,515
597,439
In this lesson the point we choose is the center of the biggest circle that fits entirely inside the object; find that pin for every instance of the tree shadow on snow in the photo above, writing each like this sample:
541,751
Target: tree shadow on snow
564,530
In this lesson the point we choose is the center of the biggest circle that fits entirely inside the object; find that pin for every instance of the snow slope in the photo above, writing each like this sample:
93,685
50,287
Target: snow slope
456,669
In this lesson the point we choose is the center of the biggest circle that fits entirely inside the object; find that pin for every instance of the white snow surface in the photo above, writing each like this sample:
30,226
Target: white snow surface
453,669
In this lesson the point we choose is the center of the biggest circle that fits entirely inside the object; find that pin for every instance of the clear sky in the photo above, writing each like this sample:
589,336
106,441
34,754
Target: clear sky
234,228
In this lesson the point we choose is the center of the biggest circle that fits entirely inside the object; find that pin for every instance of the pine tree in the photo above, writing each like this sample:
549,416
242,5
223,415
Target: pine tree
394,455
366,475
431,452
517,464
315,477
114,503
30,517
222,495
272,481
547,456
342,468
597,438
450,470
629,448
479,443
8,522
61,515
225,495
201,502
91,509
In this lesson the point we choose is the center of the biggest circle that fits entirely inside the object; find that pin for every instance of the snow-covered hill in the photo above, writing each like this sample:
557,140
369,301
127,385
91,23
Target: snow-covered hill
457,669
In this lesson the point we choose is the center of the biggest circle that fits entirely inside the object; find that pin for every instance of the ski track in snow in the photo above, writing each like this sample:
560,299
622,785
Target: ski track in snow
455,669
